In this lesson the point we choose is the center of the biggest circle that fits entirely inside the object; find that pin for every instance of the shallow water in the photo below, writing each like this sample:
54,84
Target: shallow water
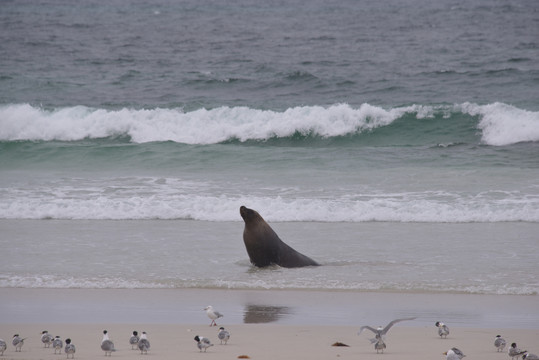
410,257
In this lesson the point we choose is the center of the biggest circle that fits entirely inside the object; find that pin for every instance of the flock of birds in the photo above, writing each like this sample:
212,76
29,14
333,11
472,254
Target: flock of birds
107,345
514,352
443,330
47,339
203,343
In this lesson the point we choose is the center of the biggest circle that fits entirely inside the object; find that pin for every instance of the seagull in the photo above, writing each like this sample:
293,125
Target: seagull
381,332
203,343
454,354
70,349
46,338
500,343
529,356
212,314
143,344
223,335
17,342
514,351
106,345
443,330
3,347
57,344
133,340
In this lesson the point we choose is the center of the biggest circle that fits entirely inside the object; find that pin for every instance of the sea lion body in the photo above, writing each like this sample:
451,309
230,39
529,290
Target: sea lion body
265,248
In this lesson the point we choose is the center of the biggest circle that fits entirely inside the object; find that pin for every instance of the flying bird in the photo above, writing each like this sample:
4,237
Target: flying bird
381,332
46,338
143,343
223,335
514,351
69,349
18,342
133,340
500,343
57,344
454,354
443,330
212,314
106,344
203,343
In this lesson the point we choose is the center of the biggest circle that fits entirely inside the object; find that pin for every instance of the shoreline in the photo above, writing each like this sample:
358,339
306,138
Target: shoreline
281,307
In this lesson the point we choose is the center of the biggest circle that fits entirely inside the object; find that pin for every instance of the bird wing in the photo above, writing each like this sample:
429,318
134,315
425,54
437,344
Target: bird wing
386,329
368,328
459,353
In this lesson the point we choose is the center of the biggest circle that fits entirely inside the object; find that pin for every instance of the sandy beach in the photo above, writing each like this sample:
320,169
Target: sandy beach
268,341
285,330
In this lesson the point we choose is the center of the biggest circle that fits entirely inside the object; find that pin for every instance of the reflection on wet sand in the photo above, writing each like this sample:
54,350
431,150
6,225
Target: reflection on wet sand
264,314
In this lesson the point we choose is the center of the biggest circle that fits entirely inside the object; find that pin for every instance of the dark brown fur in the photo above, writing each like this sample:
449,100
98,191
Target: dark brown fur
265,248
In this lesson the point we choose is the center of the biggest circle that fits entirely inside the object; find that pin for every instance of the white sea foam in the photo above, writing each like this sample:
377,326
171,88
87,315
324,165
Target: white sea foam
70,282
501,124
402,207
24,122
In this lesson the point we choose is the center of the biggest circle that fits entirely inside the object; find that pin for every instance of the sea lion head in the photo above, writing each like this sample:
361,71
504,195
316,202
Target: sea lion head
249,215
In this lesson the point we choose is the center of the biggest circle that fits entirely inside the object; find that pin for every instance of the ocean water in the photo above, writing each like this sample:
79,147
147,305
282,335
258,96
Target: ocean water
397,143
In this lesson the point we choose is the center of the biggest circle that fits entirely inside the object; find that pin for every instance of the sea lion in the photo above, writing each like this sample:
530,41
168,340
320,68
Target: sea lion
264,246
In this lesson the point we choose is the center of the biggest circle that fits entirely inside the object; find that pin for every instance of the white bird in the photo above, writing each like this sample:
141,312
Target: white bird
57,344
500,343
18,342
529,356
143,344
514,351
46,338
212,314
106,345
69,349
203,343
454,354
3,347
443,330
223,335
381,332
133,340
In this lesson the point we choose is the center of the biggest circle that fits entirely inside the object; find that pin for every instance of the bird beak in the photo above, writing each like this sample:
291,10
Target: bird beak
445,353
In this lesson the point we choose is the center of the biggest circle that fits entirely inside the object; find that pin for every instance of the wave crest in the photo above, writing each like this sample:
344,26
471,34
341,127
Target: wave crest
499,123
503,124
